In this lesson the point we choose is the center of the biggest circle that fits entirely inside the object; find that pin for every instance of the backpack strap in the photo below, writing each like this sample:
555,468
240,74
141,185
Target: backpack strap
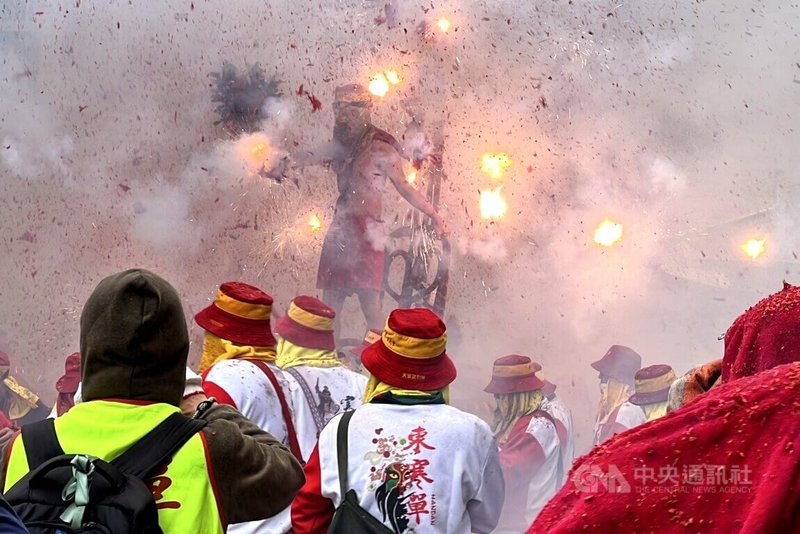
294,445
41,442
312,403
150,452
341,449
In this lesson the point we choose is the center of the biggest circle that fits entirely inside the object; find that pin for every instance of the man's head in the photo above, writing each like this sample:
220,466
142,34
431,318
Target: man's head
652,384
411,352
133,340
619,363
514,374
351,108
308,323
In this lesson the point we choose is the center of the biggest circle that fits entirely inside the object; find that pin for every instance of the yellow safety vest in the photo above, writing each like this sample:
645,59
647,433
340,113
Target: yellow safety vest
184,493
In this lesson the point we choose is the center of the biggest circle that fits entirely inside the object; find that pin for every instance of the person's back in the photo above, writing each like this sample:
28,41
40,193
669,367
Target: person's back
317,395
134,345
415,463
318,385
238,340
428,467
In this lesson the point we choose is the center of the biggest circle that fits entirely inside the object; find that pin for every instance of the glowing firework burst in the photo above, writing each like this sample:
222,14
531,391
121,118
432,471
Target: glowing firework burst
392,77
255,152
412,177
754,247
380,84
492,204
608,233
443,24
495,164
314,223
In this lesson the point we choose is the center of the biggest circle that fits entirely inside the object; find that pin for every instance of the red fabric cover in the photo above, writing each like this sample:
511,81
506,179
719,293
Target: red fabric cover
311,512
423,374
4,361
349,259
750,422
515,384
620,363
764,336
521,456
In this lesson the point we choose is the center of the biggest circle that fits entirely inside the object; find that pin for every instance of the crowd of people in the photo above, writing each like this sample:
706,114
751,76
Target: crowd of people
277,431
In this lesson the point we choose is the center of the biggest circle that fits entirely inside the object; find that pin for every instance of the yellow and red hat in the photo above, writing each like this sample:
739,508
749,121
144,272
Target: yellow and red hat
514,374
410,353
240,313
308,323
652,384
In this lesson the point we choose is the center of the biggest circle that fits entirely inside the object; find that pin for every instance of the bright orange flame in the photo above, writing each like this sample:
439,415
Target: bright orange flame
754,247
443,25
392,77
379,85
493,205
314,223
254,151
608,233
495,164
411,178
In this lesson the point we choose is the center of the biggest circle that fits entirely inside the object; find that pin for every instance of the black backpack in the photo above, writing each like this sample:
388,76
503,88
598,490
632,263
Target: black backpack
350,517
78,493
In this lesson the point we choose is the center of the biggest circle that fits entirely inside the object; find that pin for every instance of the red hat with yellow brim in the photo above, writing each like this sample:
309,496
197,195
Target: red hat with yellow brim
308,323
652,384
411,352
514,374
241,314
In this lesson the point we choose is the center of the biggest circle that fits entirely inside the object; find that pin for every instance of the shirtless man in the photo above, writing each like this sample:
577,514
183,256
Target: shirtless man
352,254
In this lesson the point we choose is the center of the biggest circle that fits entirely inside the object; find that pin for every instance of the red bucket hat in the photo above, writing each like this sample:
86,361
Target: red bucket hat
514,374
72,374
652,384
240,314
620,363
411,352
308,323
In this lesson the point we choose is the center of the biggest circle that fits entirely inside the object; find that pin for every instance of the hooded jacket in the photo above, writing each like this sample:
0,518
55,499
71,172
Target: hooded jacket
134,345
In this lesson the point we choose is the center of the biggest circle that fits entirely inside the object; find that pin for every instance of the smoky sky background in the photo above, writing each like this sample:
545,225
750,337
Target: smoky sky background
676,119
